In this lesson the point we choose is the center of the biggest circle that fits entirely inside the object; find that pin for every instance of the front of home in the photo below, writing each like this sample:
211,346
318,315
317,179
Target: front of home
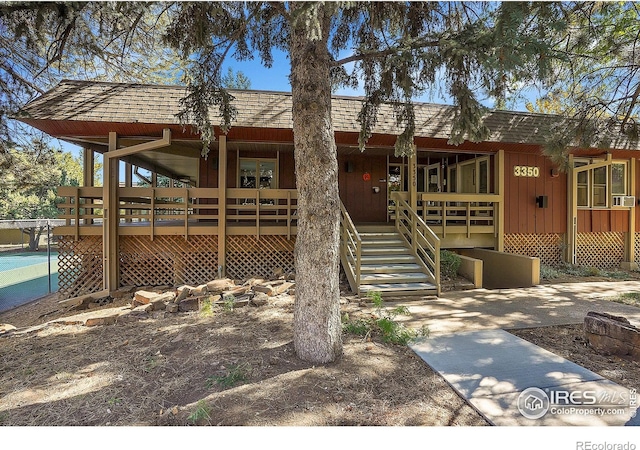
233,212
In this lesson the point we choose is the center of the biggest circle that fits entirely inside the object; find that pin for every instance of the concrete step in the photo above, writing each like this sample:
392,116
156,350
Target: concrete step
393,278
390,268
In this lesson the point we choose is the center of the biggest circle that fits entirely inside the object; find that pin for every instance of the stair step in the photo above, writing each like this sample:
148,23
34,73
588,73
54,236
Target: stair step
393,278
387,259
384,228
390,268
392,251
404,290
383,242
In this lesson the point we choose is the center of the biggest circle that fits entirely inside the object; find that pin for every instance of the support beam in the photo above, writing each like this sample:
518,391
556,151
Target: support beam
572,212
152,145
631,235
88,175
222,204
413,179
499,212
110,222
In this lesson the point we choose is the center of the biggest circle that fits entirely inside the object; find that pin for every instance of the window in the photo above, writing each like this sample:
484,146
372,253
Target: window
595,186
258,173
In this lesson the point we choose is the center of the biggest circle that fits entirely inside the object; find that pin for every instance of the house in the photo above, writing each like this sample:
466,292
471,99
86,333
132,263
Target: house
234,211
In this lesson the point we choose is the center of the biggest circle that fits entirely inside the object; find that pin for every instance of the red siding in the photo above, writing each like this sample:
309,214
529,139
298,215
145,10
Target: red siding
602,220
522,214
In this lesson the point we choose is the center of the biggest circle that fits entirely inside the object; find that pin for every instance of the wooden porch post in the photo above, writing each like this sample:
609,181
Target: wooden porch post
110,221
88,176
499,211
572,212
631,236
413,179
222,204
128,180
88,167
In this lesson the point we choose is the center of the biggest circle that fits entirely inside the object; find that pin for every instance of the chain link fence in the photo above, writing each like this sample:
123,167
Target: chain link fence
27,274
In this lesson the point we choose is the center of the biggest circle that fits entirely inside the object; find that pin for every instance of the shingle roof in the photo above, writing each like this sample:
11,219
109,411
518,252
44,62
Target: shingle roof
155,104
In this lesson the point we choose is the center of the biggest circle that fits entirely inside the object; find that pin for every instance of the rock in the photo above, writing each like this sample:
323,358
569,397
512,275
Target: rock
160,301
200,290
123,292
95,321
6,328
269,290
218,286
183,292
237,291
253,281
612,335
259,299
142,308
172,307
281,289
145,297
189,304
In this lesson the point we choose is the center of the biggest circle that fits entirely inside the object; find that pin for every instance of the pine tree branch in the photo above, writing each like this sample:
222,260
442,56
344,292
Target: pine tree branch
382,53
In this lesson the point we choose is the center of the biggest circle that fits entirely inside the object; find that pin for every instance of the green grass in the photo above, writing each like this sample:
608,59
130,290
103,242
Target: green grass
206,309
202,412
229,303
383,323
234,375
550,273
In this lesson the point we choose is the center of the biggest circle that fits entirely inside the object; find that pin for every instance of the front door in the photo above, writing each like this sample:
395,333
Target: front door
363,186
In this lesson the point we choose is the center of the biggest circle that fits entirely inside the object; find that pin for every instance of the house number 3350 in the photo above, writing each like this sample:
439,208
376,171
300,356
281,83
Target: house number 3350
526,171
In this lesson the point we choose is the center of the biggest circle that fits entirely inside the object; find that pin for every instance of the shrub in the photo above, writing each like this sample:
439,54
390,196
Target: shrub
449,264
383,322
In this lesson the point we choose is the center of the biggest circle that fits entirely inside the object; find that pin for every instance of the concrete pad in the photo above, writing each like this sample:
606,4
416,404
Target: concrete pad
538,306
491,368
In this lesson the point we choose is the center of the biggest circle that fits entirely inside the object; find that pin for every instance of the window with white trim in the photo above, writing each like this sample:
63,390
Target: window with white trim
596,186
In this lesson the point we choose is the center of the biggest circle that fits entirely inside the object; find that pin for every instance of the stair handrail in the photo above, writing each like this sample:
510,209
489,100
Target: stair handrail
420,238
350,249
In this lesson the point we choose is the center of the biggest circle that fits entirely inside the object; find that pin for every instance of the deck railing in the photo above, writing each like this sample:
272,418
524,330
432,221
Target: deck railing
175,211
453,212
350,249
422,241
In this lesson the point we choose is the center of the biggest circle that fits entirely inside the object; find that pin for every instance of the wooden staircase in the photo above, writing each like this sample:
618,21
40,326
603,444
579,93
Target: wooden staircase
388,265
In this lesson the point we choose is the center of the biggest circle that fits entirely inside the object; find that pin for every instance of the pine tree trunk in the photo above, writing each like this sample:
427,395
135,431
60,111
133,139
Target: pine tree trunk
317,327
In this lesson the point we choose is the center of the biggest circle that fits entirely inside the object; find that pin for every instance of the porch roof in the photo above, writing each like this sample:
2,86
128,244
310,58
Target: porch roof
90,102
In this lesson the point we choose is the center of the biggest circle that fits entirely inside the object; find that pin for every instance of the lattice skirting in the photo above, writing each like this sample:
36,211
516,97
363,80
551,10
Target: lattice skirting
248,256
637,248
79,266
602,250
548,247
168,260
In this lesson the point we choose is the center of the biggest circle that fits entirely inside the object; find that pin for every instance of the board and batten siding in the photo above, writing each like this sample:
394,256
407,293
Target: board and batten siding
522,214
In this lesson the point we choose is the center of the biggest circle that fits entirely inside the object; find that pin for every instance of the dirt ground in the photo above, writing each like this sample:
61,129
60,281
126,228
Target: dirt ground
232,368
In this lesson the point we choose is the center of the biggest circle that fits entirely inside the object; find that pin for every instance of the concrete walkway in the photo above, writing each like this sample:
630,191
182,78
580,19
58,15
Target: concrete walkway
509,380
538,306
